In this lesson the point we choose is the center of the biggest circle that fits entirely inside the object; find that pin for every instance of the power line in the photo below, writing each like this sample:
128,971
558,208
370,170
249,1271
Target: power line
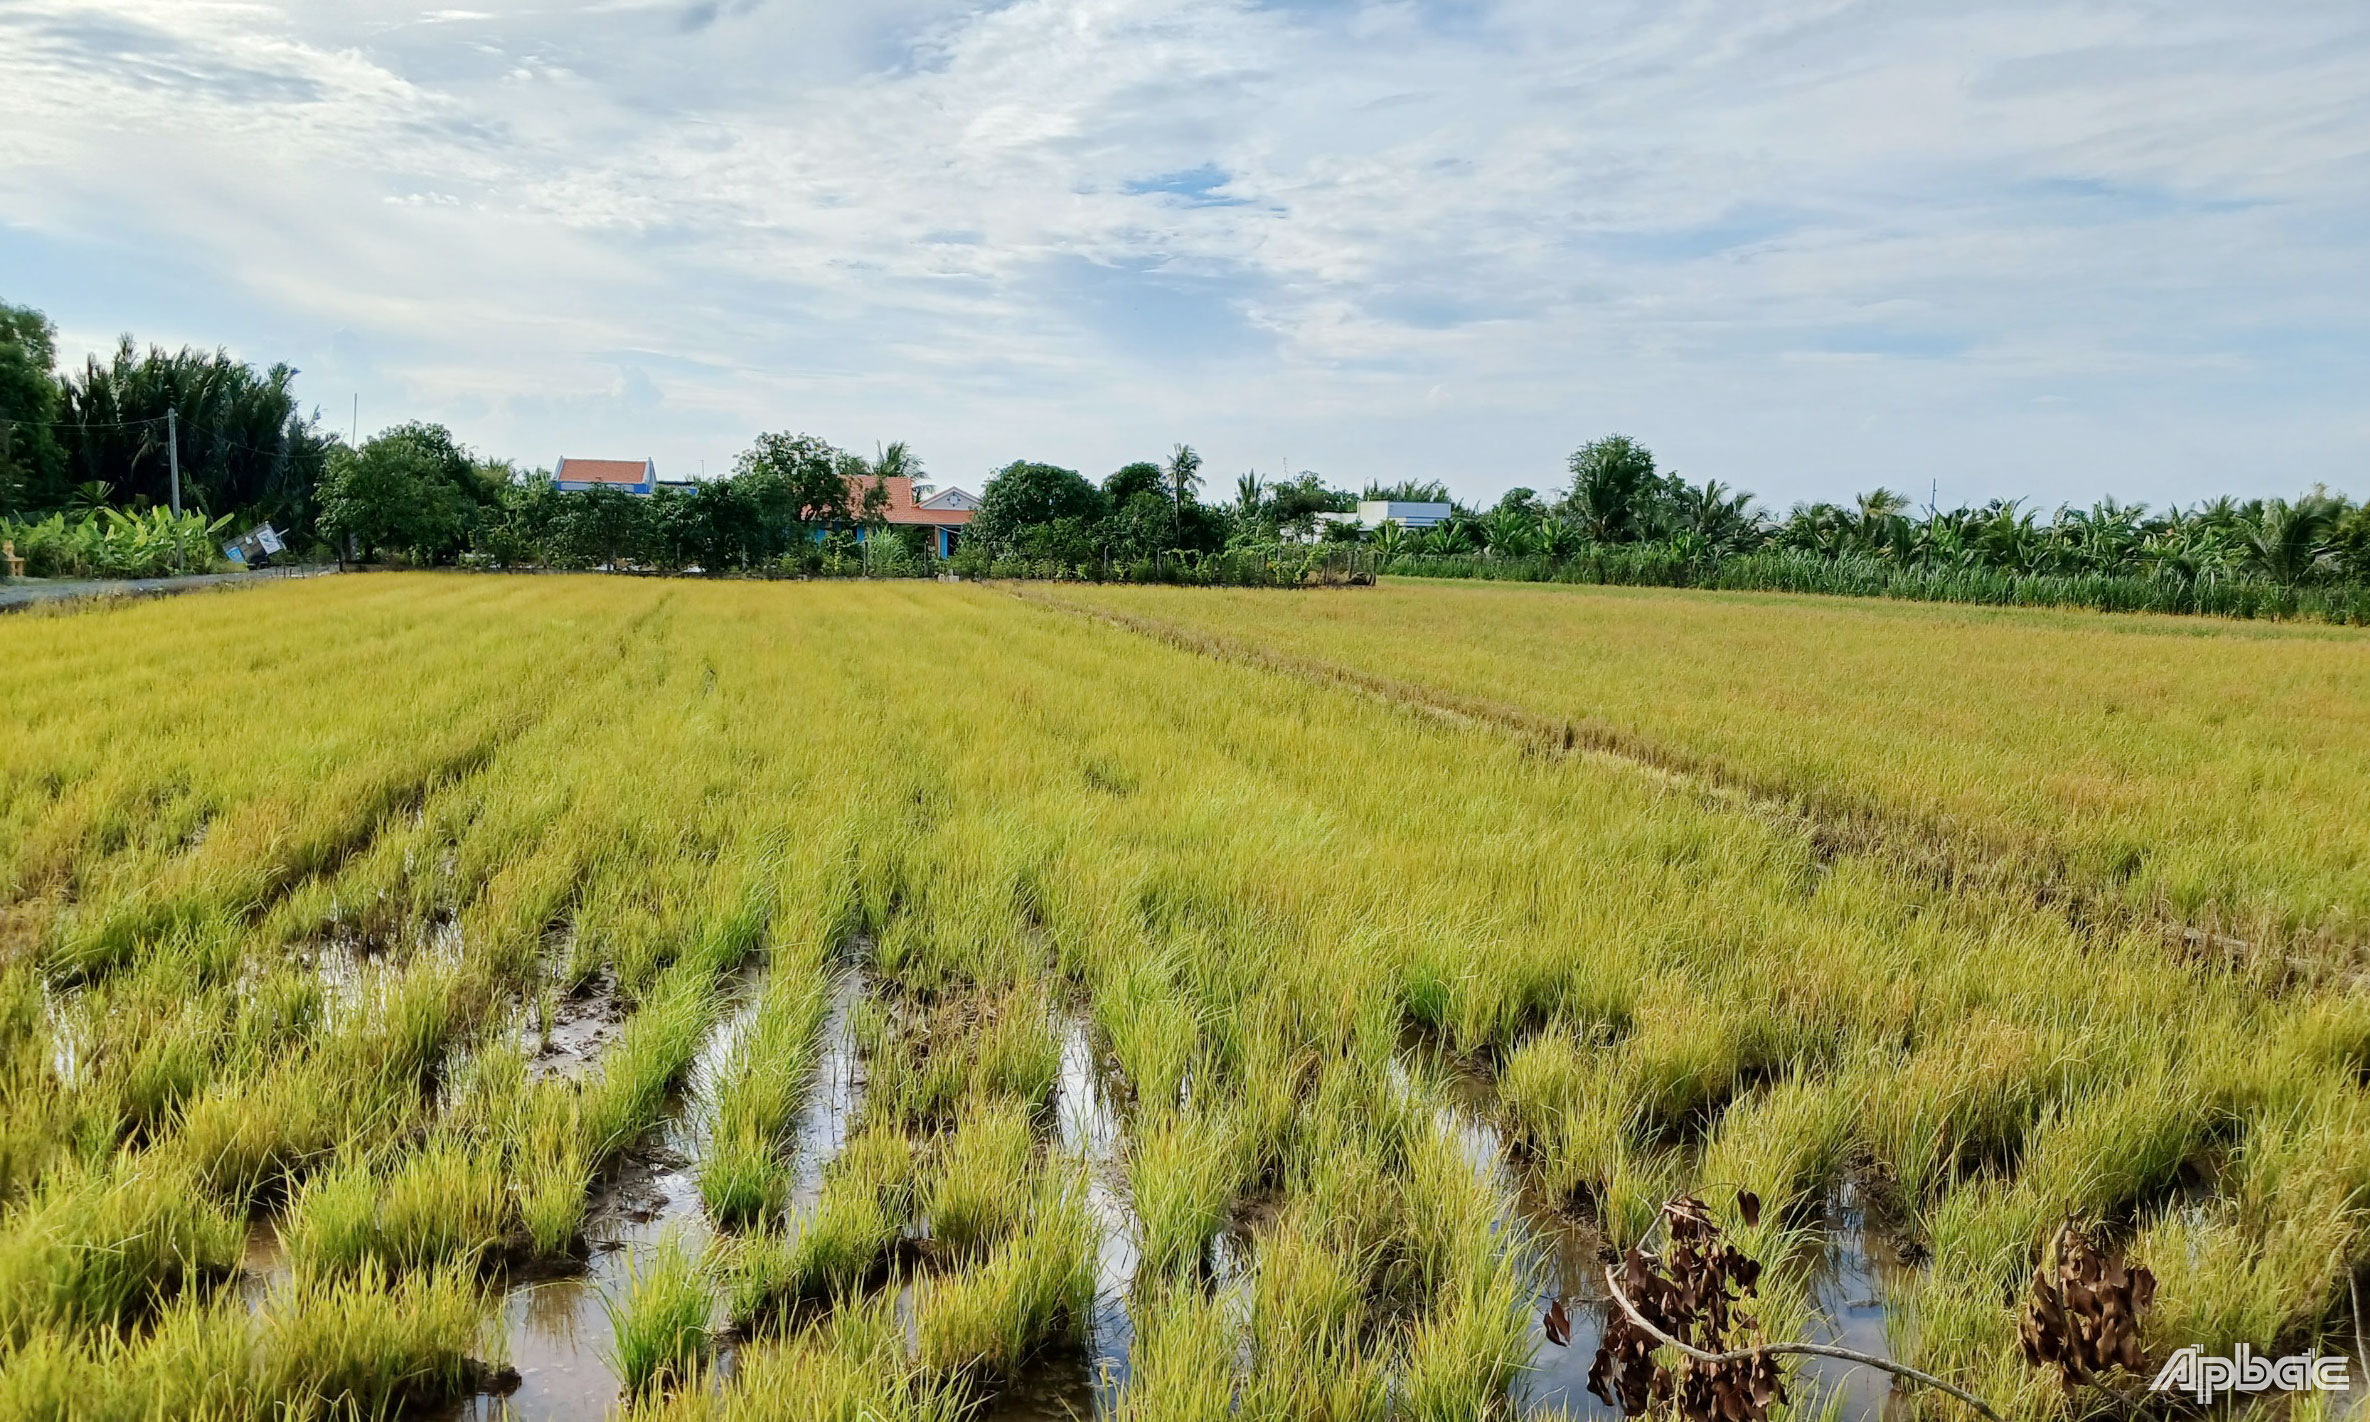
84,424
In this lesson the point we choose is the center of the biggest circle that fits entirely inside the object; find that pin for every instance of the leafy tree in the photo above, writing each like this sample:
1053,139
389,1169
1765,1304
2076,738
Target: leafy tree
1183,472
1024,495
898,461
1249,493
1523,503
800,479
1611,478
1557,539
32,466
1294,504
722,525
2349,542
1142,526
1510,532
1129,480
599,527
402,492
1184,477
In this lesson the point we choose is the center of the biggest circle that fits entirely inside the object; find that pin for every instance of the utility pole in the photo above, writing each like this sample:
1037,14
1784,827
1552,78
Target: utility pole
173,454
173,457
356,443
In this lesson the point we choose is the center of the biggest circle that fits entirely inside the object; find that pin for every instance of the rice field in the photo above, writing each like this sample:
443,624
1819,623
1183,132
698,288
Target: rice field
575,996
2204,774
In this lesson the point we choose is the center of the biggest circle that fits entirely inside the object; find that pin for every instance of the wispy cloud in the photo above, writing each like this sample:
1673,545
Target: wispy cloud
2050,249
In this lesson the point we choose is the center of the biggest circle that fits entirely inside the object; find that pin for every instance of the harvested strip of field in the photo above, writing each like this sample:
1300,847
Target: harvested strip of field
1052,854
2206,772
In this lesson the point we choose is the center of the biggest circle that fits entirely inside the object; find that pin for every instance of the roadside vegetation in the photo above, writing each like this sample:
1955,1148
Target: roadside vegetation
1231,1022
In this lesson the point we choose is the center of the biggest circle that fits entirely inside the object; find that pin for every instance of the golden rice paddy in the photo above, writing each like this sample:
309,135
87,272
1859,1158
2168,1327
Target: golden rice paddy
567,995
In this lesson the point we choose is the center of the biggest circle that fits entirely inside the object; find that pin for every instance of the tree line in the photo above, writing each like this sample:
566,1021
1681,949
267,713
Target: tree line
1620,512
85,471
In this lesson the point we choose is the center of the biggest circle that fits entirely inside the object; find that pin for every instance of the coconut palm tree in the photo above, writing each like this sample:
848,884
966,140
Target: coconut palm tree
2287,542
1183,473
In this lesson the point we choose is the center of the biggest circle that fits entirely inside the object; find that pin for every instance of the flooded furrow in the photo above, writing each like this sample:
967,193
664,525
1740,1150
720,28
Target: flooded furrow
555,1321
558,1326
1087,1130
1855,1273
833,1099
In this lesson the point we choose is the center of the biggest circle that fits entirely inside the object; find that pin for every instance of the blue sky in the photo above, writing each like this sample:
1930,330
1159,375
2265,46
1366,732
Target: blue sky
2050,250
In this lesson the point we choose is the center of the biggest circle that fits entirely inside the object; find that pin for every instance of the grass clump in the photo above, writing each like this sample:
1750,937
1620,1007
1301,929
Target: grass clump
103,1246
1035,1290
985,1180
443,1203
371,1342
757,1096
659,1331
846,1241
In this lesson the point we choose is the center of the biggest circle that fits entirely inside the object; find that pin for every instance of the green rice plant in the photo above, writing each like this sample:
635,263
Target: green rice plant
653,1053
2252,1266
1184,1171
985,1182
551,1171
1181,1362
1035,1289
443,1203
1785,1144
370,1341
104,1245
2154,764
912,1076
1466,1350
845,1241
757,1096
847,1367
266,926
1450,1220
1309,1318
1014,1054
1151,1030
1963,1102
1631,1194
659,1330
1683,1062
195,1360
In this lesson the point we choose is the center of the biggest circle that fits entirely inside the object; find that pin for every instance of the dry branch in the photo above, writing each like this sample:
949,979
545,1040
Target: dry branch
1779,1350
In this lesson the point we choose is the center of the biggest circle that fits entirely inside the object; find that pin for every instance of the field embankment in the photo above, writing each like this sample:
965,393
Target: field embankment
1224,1043
2206,775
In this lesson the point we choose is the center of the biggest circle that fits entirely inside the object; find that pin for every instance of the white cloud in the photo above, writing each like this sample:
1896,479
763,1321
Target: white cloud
2047,248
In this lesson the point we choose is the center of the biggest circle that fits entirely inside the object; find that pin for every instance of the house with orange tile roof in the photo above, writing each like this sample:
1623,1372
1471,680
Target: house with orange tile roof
944,513
632,476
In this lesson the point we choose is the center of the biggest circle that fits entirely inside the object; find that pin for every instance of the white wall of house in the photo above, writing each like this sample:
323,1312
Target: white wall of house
1374,513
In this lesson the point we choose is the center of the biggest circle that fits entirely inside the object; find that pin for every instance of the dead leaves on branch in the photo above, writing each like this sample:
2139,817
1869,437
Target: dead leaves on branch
1699,1292
2082,1316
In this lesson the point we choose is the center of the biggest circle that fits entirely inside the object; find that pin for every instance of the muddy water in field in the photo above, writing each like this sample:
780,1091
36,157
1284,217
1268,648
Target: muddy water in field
558,1325
1854,1271
833,1098
1086,1384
